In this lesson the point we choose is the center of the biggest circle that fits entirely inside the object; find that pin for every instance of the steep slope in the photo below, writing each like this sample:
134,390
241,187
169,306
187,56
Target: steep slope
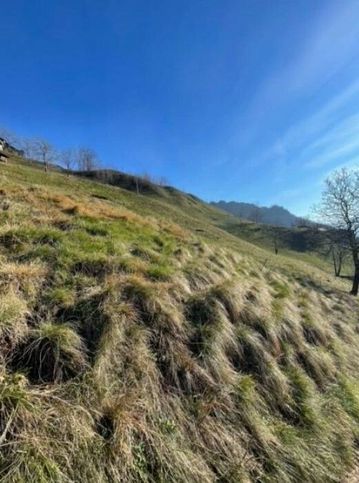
140,342
303,243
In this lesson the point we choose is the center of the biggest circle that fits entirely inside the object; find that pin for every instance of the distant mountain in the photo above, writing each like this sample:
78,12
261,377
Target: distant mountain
274,215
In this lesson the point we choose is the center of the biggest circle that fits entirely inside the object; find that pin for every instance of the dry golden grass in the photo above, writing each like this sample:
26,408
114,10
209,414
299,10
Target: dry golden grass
22,277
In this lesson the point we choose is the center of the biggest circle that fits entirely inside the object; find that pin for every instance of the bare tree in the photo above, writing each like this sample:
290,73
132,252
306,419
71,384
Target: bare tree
45,151
68,159
86,159
336,246
163,181
149,178
340,209
28,147
339,254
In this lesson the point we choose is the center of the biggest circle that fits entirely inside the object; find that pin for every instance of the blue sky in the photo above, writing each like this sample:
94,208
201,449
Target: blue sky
249,100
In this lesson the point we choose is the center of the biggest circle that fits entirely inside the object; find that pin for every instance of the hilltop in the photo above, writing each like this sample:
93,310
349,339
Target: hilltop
141,340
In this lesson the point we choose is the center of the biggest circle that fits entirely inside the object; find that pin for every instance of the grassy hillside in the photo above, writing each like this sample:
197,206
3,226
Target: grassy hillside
139,341
301,243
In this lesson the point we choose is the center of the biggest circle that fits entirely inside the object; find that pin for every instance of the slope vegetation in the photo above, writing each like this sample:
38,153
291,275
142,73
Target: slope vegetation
140,342
309,243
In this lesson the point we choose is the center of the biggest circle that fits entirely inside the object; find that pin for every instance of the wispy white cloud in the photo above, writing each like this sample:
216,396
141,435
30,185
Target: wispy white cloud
320,138
344,150
343,132
330,44
331,113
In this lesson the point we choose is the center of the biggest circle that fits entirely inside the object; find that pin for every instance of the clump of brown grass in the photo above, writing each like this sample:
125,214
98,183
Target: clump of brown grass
13,325
36,428
51,353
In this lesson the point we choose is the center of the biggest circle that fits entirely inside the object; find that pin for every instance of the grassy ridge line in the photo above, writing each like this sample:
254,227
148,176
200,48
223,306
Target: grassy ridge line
135,348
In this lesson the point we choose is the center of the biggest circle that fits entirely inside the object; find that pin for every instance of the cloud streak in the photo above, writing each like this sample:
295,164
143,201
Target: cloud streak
331,43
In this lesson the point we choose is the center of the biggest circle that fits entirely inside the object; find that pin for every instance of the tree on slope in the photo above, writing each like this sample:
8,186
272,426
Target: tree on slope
29,148
45,151
86,159
68,159
337,247
340,208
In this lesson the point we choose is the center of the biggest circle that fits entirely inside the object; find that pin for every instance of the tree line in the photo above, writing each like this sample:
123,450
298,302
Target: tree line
39,149
72,159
